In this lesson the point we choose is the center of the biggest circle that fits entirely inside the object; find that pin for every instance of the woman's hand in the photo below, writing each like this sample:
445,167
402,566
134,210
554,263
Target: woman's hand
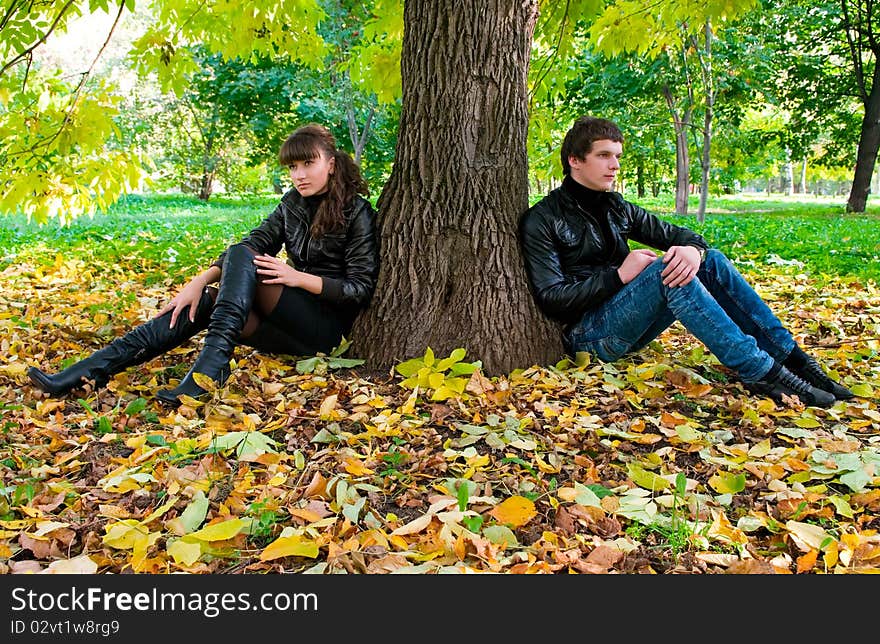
189,296
272,270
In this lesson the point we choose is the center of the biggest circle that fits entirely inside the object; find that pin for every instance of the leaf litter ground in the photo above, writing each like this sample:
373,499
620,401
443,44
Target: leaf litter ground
659,464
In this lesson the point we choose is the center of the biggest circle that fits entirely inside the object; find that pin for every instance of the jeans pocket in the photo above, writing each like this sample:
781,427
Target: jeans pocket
607,348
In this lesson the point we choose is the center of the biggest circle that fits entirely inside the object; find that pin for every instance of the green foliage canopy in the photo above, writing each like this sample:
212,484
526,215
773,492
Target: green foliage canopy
60,149
62,153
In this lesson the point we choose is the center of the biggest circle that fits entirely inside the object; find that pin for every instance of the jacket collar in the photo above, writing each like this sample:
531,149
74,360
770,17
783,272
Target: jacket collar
297,205
587,198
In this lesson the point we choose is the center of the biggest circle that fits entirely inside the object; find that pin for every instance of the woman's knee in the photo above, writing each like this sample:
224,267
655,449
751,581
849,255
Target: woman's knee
241,248
250,326
266,298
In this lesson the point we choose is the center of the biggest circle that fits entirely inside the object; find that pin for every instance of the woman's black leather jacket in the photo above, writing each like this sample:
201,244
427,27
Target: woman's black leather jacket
570,265
347,260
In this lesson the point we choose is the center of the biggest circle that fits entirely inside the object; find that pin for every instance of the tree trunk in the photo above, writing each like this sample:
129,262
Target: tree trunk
869,142
787,174
358,140
803,187
640,179
709,88
451,273
682,158
209,171
206,185
706,162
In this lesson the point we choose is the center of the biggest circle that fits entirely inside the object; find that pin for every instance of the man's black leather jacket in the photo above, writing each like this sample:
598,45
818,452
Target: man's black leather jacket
347,260
570,266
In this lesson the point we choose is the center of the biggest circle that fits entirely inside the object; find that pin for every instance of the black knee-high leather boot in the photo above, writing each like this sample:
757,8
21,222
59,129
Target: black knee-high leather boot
238,282
144,342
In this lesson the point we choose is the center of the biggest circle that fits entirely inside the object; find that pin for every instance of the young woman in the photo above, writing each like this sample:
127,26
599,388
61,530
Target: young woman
299,307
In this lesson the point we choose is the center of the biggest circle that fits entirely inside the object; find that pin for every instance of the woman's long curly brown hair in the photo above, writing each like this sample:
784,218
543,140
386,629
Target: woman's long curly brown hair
305,144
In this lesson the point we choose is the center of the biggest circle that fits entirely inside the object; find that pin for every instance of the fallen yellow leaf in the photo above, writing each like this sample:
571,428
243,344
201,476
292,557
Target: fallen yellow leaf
294,545
515,511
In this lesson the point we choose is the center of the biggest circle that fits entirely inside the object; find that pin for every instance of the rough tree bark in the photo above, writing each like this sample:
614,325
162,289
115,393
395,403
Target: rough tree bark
451,273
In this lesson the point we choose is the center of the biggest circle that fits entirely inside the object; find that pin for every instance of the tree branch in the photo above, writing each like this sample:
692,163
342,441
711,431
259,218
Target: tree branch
68,115
26,53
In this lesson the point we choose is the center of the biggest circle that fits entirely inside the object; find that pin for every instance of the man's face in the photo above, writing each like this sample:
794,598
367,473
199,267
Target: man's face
599,168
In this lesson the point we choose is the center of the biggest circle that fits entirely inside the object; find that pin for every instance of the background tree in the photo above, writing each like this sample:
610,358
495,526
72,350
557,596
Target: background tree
859,24
60,153
234,113
59,146
824,55
623,89
682,35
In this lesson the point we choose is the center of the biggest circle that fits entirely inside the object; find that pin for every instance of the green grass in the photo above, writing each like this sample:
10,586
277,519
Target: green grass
166,235
813,230
174,236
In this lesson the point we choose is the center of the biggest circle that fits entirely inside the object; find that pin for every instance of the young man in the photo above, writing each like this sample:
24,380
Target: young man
614,301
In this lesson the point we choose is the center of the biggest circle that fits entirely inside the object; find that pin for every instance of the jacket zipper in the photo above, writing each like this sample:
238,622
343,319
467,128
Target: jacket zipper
307,241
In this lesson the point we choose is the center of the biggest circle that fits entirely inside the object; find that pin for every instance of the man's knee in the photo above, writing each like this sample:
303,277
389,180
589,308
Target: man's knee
718,265
715,256
654,268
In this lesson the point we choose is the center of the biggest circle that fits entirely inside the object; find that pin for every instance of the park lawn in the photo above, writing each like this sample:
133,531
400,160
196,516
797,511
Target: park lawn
184,234
660,463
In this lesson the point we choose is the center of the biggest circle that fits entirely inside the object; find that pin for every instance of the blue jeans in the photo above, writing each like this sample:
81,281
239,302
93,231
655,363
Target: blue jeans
718,306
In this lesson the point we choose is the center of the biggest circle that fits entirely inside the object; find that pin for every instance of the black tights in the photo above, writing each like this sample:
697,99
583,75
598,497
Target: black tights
290,320
265,300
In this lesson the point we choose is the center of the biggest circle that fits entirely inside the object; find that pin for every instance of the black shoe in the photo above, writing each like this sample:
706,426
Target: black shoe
142,343
804,366
74,377
213,362
787,383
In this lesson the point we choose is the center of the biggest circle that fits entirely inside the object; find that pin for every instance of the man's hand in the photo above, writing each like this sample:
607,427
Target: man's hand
637,261
682,264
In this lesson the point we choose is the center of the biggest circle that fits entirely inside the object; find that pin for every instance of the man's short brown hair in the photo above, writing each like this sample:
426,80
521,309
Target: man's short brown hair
579,139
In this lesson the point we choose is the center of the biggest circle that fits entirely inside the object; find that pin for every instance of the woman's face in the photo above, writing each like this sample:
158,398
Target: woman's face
312,176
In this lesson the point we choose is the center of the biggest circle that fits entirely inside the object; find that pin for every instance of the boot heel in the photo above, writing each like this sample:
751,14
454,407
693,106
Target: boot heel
142,343
238,282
